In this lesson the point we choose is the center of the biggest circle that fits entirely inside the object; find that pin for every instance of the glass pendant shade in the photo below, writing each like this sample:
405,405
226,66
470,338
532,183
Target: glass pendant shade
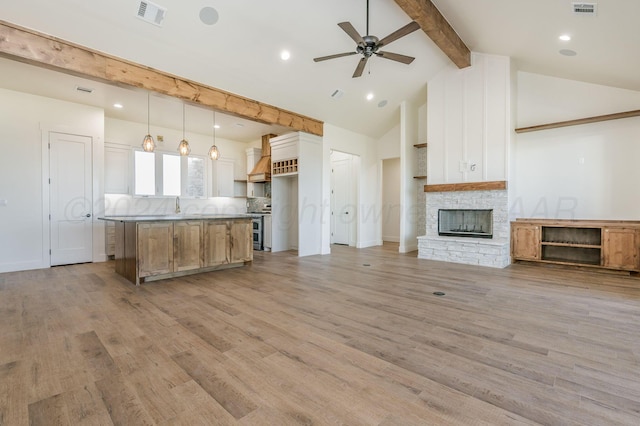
214,154
148,145
184,148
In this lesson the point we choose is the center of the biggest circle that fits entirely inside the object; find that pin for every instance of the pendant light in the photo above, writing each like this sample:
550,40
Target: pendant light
148,145
214,154
184,148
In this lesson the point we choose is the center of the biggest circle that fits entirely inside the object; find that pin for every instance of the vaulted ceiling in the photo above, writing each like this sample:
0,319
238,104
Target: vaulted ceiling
240,52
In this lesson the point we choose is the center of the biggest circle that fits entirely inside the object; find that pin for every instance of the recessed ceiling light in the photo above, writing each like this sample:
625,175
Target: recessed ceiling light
369,96
208,15
568,52
382,104
217,126
285,55
565,37
117,105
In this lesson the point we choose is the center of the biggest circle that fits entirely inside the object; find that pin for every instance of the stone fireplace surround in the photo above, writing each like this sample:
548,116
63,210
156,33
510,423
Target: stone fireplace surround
492,252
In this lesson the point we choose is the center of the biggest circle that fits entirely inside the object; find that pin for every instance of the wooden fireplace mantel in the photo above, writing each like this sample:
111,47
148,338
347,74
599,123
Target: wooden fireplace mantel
467,186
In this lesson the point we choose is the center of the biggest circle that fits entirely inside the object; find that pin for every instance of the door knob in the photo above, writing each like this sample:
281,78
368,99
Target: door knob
88,214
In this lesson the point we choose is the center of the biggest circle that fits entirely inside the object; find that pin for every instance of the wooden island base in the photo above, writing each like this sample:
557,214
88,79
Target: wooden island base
605,244
149,250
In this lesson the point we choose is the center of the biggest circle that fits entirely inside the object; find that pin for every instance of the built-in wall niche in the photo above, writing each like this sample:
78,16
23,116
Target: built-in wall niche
476,223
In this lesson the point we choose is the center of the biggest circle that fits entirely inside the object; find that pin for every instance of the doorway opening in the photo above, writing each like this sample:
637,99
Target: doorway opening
391,200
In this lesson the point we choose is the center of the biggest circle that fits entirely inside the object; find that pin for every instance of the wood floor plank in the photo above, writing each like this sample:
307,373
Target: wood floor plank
237,404
122,404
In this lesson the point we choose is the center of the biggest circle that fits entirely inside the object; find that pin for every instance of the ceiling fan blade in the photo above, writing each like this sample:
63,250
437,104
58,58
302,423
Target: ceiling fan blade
396,57
339,55
348,28
407,29
360,67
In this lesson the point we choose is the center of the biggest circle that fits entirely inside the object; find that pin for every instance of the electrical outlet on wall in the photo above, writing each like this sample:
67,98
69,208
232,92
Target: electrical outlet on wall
464,166
3,203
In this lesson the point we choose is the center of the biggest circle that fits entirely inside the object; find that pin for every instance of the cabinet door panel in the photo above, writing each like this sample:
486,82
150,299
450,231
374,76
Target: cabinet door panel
223,178
116,170
187,245
155,248
216,243
241,241
525,242
620,248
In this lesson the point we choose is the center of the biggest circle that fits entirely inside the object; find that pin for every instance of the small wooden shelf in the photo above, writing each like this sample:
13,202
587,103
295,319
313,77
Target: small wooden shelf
420,145
545,243
587,120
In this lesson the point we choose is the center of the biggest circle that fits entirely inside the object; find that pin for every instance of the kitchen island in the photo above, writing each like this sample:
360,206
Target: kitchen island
150,248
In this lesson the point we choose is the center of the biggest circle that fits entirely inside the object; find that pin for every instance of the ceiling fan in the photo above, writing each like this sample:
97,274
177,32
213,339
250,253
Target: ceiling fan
369,45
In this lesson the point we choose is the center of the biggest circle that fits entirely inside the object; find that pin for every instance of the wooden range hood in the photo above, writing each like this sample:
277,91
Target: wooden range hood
262,170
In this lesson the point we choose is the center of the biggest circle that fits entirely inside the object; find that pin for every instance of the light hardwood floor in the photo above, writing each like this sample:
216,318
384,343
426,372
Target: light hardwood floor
355,337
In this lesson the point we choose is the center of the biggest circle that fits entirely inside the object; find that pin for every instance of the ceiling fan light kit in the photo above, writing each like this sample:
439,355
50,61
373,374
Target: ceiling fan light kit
370,45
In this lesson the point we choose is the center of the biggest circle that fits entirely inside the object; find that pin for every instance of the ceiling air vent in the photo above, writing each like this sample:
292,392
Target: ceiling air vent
151,12
584,9
84,89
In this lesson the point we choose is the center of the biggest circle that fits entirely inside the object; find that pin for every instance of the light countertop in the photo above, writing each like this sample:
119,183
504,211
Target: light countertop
176,217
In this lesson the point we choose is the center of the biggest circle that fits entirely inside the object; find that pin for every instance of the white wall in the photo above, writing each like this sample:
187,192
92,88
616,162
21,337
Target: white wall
587,171
25,121
369,211
388,145
391,200
469,118
130,134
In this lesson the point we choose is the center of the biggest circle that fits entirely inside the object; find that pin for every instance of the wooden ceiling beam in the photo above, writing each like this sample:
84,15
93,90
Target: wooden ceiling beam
42,50
438,29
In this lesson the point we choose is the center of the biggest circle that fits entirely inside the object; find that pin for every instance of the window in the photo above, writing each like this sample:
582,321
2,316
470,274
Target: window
195,177
169,175
145,173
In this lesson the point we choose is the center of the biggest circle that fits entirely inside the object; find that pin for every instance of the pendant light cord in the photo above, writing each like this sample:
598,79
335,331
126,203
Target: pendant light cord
367,17
148,114
183,121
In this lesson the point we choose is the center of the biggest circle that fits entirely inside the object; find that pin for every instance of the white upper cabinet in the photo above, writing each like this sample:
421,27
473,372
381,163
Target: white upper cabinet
116,169
223,175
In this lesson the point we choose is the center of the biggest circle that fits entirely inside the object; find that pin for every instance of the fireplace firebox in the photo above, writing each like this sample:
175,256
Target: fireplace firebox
465,223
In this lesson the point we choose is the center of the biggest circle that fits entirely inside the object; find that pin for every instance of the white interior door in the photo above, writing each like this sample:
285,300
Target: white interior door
70,195
342,209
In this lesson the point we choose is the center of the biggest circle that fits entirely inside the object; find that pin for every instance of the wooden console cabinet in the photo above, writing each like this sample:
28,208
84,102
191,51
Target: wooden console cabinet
598,244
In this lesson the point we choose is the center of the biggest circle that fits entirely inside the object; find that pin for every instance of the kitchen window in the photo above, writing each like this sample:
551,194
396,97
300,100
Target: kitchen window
168,175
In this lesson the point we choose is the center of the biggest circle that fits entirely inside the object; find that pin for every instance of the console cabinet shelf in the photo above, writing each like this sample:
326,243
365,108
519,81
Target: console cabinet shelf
600,244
